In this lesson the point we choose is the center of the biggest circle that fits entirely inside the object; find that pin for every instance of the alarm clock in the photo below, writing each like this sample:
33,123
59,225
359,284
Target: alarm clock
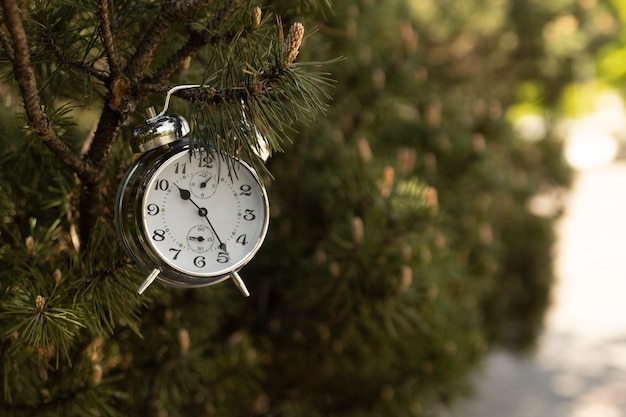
190,216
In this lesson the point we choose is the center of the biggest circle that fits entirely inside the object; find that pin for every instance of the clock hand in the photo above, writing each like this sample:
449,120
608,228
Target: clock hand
186,195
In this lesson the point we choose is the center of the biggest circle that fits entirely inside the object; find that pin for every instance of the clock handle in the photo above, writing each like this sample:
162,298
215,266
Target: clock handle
149,280
169,95
240,284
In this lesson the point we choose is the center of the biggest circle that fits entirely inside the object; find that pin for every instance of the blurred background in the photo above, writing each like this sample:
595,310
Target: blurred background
578,367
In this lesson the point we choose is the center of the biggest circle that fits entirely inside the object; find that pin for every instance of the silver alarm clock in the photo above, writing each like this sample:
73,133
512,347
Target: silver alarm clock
190,216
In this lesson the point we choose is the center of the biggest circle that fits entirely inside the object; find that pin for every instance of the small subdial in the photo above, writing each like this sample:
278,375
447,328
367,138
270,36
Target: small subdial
200,238
203,184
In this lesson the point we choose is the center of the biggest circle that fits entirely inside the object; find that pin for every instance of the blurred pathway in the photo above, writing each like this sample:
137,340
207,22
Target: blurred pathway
579,369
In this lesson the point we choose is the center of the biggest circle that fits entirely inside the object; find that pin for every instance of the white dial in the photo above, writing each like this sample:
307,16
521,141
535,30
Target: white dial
204,215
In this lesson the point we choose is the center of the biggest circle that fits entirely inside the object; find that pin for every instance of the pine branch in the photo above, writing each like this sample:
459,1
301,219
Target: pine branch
107,38
82,65
268,95
171,12
92,191
225,12
197,39
26,80
6,44
42,320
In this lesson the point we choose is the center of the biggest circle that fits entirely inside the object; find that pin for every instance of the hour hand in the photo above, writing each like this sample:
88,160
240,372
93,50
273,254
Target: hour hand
184,194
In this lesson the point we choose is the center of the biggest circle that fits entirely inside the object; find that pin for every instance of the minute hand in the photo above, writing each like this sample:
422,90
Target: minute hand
203,212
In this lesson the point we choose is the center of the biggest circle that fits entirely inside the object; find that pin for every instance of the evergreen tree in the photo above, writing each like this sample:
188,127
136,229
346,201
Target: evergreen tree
400,246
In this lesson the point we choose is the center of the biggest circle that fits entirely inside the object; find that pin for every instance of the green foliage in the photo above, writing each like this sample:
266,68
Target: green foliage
41,321
401,247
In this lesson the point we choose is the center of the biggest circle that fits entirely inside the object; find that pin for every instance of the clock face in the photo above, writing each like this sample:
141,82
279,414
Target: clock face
204,214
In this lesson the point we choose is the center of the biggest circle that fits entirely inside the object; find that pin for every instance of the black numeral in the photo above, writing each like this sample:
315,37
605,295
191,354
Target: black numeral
180,168
245,189
158,235
153,209
222,257
177,252
242,239
161,185
206,162
249,215
199,261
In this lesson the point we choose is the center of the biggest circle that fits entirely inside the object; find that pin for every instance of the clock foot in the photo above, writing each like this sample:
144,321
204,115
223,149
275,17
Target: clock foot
149,280
240,284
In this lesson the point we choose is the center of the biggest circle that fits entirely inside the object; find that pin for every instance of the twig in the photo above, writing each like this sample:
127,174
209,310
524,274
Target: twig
107,38
92,191
207,95
225,13
25,78
197,39
6,44
89,69
171,12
